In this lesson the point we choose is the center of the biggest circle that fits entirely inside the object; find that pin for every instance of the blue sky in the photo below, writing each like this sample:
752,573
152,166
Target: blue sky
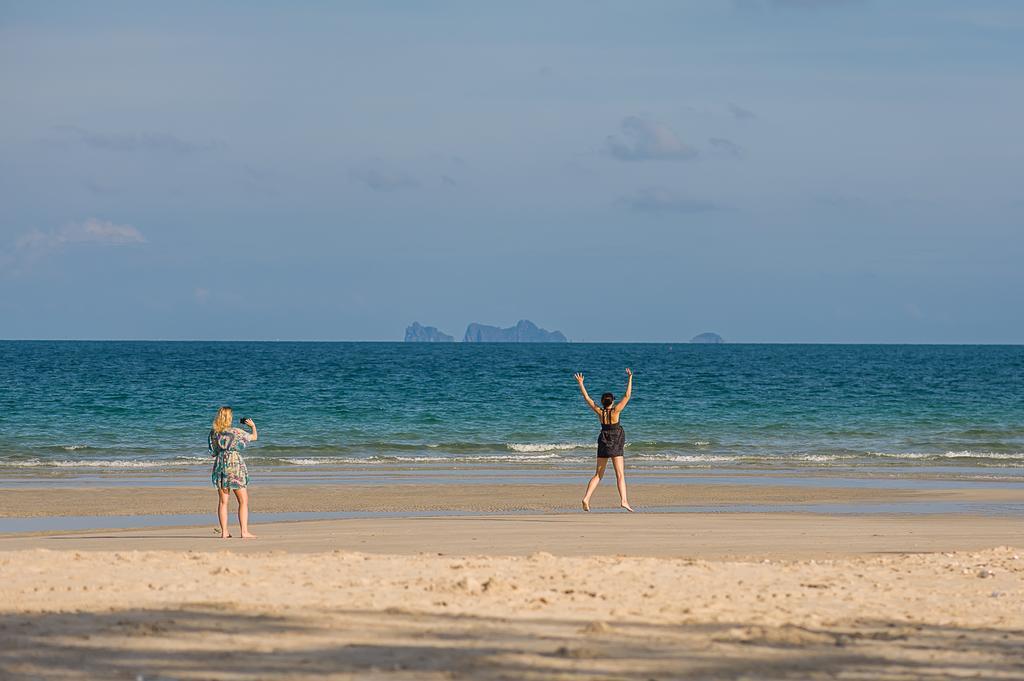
773,170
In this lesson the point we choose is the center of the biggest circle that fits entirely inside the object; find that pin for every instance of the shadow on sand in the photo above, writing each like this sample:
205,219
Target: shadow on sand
211,641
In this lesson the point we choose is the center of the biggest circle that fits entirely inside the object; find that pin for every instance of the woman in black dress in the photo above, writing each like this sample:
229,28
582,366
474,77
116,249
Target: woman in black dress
610,442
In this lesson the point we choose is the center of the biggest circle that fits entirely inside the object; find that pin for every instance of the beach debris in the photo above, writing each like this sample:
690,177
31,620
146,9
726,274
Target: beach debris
470,584
985,573
781,637
596,627
576,652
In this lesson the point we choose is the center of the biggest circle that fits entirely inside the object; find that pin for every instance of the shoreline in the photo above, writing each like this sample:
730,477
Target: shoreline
1009,477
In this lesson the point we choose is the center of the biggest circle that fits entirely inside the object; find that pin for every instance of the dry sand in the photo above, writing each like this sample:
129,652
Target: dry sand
348,615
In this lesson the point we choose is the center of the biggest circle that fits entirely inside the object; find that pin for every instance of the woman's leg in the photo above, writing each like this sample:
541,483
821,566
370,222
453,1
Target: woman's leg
618,462
223,496
592,485
243,512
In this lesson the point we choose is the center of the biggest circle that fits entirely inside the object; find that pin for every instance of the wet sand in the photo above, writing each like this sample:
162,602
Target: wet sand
694,535
481,498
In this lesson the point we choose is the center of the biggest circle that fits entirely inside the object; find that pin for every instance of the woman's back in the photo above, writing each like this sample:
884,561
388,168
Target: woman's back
609,416
228,440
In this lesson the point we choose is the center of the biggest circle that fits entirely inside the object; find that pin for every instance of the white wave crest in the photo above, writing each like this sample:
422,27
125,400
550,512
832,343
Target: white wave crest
307,461
492,458
103,463
411,459
72,448
697,458
514,459
526,447
822,458
965,454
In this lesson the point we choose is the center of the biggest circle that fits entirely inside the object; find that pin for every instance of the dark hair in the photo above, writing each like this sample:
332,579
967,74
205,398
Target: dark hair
607,399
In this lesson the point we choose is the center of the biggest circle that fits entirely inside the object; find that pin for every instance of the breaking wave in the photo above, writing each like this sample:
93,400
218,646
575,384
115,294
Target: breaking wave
526,447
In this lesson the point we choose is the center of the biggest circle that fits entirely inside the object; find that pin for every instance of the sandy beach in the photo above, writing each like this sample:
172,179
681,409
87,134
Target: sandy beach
409,281
554,595
343,614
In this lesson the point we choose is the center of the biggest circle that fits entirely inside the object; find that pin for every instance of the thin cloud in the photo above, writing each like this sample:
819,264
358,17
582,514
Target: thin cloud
158,142
727,148
98,188
846,202
90,231
38,244
813,4
658,200
383,179
740,113
646,140
794,4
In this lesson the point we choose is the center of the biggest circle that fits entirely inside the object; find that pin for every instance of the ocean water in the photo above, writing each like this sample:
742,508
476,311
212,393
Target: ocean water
80,407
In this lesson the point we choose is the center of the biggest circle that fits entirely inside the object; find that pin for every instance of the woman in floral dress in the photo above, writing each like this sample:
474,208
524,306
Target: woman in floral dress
229,471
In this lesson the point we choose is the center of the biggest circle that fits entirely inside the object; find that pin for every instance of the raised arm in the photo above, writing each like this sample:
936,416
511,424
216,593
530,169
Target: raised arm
629,392
583,389
252,426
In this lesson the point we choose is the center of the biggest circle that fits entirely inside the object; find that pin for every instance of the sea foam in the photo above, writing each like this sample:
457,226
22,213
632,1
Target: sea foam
526,447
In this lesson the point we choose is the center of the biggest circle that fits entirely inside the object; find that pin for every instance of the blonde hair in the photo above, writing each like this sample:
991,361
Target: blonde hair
223,420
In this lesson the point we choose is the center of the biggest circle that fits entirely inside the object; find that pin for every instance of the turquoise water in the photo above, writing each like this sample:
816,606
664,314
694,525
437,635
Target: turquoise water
86,406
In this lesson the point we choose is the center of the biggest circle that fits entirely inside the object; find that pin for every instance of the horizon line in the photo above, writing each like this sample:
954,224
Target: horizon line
569,342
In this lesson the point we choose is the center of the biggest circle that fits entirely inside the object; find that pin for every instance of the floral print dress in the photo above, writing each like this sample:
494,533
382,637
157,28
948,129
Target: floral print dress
229,470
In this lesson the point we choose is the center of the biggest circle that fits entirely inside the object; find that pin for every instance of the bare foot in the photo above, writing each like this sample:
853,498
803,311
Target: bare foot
225,536
626,506
248,535
586,506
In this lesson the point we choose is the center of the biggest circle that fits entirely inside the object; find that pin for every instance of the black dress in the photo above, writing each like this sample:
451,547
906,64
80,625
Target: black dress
612,439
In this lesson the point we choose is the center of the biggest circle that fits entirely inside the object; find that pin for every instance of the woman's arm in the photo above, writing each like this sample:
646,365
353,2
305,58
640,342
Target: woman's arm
583,389
629,392
254,435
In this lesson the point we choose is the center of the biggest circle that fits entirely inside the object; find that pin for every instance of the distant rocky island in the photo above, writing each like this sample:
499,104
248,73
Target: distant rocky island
524,331
426,334
707,338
